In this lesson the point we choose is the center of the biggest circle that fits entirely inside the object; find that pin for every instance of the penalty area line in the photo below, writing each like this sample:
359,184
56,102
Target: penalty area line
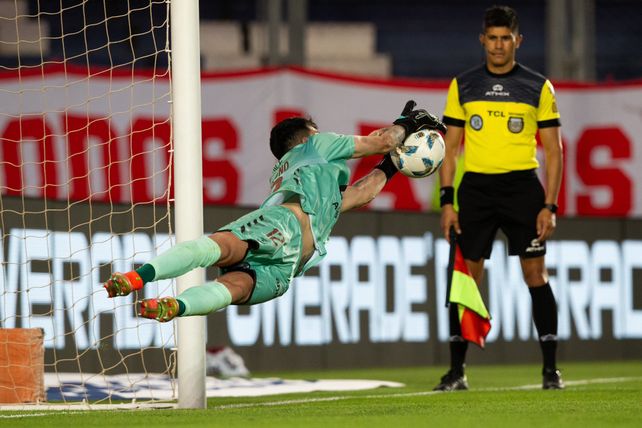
418,394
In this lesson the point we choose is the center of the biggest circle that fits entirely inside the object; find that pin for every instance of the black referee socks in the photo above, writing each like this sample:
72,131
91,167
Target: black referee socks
458,345
545,318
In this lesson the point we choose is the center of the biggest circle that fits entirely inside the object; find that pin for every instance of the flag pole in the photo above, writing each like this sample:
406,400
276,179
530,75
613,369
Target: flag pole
452,236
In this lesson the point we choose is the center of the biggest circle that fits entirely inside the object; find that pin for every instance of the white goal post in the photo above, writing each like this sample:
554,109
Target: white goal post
186,94
98,112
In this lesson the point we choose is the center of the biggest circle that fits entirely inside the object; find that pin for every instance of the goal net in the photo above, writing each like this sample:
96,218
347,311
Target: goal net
85,189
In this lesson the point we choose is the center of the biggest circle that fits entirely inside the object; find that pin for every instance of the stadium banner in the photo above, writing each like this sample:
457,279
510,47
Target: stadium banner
83,146
376,300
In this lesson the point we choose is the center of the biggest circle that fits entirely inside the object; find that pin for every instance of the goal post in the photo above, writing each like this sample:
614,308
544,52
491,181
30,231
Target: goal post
186,121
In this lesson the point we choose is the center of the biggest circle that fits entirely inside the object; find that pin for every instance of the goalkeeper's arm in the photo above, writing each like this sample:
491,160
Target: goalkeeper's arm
378,142
384,140
363,190
366,188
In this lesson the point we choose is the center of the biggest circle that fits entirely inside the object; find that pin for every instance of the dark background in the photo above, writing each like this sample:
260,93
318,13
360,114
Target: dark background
426,39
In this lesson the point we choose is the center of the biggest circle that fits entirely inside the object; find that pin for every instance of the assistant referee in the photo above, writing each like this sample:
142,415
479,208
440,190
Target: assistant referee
499,107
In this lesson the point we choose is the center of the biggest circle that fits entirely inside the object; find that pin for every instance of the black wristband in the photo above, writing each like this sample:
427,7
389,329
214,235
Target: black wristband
446,195
387,167
551,207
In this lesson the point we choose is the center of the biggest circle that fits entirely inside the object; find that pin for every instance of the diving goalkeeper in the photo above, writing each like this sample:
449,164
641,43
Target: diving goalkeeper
260,253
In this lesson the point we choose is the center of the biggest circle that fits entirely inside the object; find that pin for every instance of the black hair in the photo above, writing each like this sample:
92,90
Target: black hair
501,16
288,133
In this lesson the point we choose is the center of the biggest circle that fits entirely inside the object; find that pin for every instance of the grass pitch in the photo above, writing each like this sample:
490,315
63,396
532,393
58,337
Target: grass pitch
606,394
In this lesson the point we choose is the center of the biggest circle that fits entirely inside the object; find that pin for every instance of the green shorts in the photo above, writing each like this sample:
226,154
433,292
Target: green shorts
274,235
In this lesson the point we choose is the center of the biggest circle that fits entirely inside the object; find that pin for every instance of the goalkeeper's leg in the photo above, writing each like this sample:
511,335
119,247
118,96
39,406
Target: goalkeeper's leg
232,287
221,248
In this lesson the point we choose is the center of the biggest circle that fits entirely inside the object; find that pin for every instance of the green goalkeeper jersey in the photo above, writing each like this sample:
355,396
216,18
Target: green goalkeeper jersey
317,173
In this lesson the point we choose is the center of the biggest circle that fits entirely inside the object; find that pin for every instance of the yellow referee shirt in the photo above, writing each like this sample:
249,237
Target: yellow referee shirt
500,114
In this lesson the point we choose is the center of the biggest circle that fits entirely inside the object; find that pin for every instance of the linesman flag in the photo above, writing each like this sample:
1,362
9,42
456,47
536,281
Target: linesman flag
474,318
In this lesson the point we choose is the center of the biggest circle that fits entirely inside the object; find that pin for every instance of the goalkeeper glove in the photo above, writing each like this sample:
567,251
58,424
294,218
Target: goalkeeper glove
415,120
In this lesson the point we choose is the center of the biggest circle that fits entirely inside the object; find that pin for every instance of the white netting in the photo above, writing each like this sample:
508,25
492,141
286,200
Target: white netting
85,155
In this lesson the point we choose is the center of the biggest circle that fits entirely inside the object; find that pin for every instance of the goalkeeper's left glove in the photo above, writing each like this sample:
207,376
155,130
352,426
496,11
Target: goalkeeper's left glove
415,120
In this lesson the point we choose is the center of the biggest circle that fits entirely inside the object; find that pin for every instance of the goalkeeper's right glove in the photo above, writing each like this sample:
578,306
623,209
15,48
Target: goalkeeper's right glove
415,120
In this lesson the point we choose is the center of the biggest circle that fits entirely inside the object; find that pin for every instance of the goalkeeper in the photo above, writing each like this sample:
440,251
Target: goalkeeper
260,253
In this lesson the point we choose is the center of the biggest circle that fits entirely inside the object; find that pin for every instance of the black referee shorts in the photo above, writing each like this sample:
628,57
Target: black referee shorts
510,202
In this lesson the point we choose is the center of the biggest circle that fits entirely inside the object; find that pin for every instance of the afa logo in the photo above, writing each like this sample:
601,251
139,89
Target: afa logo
515,124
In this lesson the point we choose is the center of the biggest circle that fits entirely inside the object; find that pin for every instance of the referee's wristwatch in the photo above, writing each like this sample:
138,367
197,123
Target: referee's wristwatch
551,207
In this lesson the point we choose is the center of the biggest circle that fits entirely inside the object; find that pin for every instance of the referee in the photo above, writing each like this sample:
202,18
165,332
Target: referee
498,107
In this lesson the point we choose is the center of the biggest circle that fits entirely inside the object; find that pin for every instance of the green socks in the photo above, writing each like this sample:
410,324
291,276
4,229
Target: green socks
204,299
184,257
146,273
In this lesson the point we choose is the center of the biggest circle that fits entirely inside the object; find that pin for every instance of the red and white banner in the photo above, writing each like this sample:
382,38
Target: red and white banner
105,136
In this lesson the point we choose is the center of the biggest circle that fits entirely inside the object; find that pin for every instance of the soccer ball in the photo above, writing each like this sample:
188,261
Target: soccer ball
420,155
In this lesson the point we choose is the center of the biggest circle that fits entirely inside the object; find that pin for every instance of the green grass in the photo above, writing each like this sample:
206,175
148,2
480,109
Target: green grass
492,401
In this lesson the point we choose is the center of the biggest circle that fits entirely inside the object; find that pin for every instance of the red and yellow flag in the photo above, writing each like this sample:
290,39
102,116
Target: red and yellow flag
473,315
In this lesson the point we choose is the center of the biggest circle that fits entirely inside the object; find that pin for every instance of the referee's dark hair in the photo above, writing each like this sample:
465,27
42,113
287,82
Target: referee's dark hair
501,16
287,134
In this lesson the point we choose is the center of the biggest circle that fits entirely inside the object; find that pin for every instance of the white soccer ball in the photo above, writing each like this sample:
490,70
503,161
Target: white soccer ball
420,155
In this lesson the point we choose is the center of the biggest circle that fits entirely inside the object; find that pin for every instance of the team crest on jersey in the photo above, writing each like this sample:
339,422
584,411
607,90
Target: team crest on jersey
476,122
515,124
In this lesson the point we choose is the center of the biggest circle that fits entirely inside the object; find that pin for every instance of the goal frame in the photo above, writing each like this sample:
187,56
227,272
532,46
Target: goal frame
188,182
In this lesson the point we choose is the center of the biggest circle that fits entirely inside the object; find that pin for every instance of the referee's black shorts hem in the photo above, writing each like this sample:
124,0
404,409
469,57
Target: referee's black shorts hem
490,202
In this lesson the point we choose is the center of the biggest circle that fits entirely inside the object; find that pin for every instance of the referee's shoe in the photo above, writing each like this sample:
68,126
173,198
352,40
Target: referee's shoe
452,381
552,379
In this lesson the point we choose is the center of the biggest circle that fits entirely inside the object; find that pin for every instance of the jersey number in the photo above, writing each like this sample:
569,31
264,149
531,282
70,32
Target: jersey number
277,184
276,237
